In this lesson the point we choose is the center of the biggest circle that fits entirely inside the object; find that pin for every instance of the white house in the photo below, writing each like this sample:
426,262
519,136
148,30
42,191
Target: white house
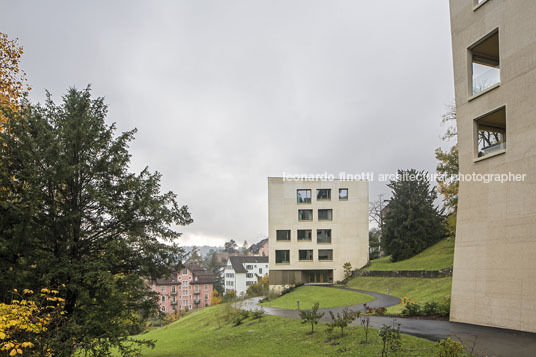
241,271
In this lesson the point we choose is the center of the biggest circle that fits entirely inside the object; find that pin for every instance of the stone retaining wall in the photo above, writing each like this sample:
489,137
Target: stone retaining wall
404,273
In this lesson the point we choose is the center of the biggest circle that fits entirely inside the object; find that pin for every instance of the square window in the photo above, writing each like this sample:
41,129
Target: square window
323,194
325,254
163,289
325,214
304,196
184,271
305,234
163,299
323,235
282,256
163,308
306,255
343,194
280,235
490,131
485,63
305,215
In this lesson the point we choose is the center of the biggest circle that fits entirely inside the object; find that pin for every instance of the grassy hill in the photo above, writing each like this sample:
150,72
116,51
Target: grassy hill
309,295
205,333
421,290
436,257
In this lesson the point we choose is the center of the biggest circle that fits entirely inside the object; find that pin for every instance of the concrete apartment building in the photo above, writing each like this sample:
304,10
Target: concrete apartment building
188,289
242,271
494,49
315,227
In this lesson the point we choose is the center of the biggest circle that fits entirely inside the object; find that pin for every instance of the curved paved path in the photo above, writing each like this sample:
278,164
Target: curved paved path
487,341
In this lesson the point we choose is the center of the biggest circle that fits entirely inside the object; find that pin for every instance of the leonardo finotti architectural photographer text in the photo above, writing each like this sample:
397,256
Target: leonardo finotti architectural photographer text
405,176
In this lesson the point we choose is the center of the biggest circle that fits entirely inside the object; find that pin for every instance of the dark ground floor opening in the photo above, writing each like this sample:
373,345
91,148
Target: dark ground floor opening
291,277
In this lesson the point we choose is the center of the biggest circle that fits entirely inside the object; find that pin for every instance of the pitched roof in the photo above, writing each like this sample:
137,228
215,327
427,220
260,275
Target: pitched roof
200,276
238,262
256,246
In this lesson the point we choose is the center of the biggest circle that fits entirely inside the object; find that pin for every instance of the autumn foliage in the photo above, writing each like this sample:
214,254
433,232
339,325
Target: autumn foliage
25,322
13,82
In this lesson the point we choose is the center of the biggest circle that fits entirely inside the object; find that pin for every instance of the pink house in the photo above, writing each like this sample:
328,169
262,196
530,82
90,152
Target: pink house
261,248
190,288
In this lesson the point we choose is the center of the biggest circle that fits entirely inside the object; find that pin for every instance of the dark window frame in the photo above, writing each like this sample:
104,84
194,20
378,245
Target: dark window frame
305,230
329,233
288,256
289,234
327,210
325,250
298,196
305,210
328,190
305,250
343,199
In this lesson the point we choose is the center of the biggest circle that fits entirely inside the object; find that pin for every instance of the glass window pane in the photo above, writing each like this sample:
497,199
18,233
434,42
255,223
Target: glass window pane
323,194
283,235
305,215
282,256
343,194
323,235
306,254
325,214
325,254
305,234
304,196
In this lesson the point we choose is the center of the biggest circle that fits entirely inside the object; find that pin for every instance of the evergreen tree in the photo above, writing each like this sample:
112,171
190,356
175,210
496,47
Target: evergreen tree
194,256
412,221
215,266
72,216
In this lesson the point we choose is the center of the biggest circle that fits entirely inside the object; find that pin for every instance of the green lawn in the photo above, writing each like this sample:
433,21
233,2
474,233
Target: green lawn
205,333
421,290
309,295
436,257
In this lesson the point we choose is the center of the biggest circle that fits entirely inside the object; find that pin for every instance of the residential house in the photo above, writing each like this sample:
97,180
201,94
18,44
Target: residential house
188,289
242,271
260,248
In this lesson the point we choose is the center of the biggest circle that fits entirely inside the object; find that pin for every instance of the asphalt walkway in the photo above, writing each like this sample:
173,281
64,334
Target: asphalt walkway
485,341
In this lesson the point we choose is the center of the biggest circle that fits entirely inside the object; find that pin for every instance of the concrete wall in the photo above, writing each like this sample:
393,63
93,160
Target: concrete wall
349,225
494,278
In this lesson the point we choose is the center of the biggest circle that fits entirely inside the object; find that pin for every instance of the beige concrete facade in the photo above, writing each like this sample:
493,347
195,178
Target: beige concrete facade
494,279
348,226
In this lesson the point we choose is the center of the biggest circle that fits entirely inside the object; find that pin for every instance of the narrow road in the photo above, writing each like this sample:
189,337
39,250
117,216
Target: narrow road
485,341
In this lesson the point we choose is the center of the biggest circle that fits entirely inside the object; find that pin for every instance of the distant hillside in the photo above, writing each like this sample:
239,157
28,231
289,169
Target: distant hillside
203,249
436,257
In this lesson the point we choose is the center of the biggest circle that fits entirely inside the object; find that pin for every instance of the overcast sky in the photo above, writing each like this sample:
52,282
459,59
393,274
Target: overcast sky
227,93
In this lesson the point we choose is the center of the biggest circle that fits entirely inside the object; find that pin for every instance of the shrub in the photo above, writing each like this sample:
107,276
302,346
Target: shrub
365,322
391,339
443,308
412,309
258,314
240,317
450,348
342,320
259,288
311,317
380,311
430,309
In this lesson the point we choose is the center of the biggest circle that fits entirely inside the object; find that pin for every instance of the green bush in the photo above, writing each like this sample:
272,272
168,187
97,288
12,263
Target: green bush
430,309
450,348
412,309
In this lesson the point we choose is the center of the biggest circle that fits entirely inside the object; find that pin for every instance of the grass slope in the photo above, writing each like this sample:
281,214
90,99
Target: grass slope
204,333
421,290
309,295
436,257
